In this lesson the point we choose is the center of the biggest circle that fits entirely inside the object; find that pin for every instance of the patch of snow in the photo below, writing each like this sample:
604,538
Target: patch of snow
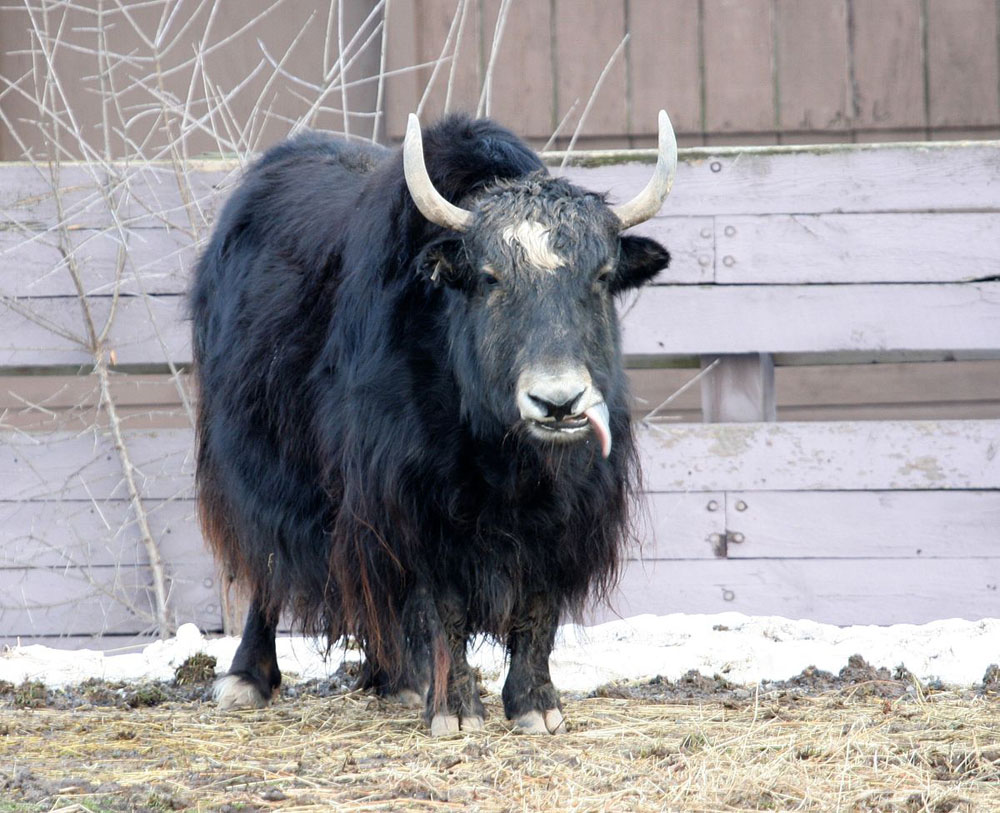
743,649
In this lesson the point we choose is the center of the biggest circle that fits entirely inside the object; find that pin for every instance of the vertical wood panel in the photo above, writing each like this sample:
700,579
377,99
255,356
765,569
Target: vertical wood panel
811,58
962,57
888,64
522,78
738,81
664,67
401,52
586,35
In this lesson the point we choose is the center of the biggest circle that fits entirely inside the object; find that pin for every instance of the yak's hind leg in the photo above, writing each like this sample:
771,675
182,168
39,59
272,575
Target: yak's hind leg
254,675
409,686
453,702
529,698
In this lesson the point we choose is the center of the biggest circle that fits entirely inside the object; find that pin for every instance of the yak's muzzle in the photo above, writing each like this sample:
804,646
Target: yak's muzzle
562,405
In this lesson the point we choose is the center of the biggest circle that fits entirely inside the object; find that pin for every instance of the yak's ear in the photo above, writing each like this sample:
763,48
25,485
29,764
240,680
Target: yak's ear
639,260
439,263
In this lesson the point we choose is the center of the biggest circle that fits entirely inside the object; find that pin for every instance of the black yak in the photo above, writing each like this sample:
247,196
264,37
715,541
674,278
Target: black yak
413,421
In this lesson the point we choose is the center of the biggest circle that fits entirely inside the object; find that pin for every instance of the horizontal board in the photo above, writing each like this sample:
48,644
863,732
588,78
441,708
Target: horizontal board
661,321
863,524
847,591
680,526
792,180
880,455
155,261
51,331
957,389
85,466
910,247
70,601
161,260
685,320
138,195
72,533
814,179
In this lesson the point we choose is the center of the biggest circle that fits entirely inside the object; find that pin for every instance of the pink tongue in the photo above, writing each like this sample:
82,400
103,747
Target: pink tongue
598,417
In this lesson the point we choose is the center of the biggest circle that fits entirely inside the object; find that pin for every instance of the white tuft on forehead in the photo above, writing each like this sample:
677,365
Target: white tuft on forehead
533,237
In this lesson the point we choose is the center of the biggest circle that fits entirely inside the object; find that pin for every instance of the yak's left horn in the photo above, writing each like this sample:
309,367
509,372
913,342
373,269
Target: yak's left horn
648,202
430,202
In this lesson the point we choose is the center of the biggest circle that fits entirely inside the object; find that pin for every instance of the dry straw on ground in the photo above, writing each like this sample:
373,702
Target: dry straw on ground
845,750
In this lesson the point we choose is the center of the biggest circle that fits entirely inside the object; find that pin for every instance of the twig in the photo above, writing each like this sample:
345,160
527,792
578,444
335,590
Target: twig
593,96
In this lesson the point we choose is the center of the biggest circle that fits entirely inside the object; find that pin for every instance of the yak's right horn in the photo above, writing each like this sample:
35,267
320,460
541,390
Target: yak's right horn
648,202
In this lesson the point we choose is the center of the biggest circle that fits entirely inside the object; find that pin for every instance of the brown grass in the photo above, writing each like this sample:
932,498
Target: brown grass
836,751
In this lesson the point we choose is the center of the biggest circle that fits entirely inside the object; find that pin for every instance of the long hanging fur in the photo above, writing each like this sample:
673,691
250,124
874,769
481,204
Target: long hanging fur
337,469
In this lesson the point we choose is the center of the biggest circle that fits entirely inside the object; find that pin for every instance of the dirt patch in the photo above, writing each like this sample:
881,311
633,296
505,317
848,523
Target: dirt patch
857,679
860,740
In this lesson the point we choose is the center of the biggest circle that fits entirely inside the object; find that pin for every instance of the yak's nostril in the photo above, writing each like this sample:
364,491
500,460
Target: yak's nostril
557,405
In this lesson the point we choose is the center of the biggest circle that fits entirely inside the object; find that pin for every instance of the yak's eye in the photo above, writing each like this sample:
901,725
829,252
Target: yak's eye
488,276
604,275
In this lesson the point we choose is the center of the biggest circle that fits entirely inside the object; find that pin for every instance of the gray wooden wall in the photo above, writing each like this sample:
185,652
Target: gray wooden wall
797,272
729,71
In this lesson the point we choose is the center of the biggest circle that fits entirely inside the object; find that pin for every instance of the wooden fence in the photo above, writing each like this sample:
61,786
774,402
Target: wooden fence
729,71
791,264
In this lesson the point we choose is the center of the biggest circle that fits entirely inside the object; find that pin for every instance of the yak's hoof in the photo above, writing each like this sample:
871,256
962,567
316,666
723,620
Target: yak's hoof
235,692
408,698
536,722
444,724
474,723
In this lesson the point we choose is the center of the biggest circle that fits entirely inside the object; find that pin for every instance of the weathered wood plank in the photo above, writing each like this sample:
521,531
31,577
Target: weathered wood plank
824,249
864,524
738,42
693,457
888,64
681,526
161,261
962,60
663,321
98,533
522,92
859,178
858,591
85,466
664,66
811,56
154,261
686,320
576,79
70,601
879,455
145,330
691,242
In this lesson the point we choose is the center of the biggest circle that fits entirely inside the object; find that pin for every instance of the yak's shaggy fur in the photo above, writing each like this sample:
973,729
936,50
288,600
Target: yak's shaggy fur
361,462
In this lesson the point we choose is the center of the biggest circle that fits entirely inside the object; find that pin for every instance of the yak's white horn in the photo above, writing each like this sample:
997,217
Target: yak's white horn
648,202
430,202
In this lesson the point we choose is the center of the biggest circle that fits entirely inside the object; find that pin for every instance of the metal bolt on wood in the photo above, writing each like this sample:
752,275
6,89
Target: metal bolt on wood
713,505
736,537
741,506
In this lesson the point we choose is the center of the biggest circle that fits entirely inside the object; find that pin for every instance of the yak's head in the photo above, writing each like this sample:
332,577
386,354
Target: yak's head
535,265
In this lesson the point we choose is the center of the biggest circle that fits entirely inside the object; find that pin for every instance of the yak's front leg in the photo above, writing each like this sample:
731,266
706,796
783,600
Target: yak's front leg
453,702
529,698
254,675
